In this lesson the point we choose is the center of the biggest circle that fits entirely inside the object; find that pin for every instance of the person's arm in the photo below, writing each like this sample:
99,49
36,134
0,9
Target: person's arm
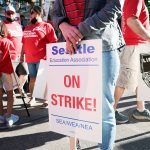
137,27
96,23
70,33
107,15
58,15
22,54
50,33
72,36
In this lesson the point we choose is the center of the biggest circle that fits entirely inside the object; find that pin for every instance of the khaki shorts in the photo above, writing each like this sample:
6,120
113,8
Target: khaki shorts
6,81
129,67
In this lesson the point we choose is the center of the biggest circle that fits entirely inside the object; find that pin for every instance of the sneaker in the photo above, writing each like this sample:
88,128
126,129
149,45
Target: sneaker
120,118
145,115
2,119
11,120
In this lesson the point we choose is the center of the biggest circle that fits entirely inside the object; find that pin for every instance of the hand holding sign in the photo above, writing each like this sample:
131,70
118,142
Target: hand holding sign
72,36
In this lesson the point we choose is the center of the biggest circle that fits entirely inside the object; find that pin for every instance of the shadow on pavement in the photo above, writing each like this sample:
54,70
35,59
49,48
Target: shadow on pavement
28,141
37,116
138,144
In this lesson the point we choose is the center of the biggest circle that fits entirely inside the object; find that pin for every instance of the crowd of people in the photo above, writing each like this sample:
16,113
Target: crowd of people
77,20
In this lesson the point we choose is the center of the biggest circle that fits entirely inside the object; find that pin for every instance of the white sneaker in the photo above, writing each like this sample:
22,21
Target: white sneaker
2,119
11,120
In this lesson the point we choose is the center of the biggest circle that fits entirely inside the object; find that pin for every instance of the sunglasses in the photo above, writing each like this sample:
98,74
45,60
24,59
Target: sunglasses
10,13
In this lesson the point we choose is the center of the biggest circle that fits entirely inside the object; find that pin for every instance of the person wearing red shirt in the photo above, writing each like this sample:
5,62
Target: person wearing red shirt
7,52
15,34
135,23
35,37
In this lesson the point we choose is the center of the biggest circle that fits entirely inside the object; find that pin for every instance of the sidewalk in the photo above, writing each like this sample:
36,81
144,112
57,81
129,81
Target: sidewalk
134,135
33,132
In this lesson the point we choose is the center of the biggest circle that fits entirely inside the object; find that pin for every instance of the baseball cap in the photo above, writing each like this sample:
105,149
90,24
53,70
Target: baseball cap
10,8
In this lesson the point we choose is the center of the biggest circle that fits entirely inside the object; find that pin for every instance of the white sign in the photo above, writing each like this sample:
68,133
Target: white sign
39,90
75,90
144,75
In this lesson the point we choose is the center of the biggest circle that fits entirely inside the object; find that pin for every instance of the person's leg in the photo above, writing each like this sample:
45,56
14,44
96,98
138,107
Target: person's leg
33,69
127,78
110,65
120,118
128,63
72,143
31,84
8,85
141,113
118,94
2,118
10,101
140,103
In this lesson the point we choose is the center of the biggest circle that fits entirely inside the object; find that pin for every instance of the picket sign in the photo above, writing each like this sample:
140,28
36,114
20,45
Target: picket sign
75,90
40,87
144,73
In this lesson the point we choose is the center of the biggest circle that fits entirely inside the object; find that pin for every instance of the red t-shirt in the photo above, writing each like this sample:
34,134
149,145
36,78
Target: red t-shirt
7,51
15,34
138,9
35,38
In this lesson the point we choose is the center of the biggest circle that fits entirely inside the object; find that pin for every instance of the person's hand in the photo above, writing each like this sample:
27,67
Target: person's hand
70,48
72,36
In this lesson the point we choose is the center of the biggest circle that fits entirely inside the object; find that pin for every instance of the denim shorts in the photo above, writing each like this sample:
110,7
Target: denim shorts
33,69
6,81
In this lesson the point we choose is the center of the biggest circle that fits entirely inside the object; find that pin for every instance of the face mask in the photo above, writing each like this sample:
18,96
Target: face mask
33,21
10,19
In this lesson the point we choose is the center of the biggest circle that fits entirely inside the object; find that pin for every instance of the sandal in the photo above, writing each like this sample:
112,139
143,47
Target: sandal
44,105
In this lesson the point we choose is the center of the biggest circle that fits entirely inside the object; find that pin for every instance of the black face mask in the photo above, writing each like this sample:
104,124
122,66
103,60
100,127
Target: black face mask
33,21
10,19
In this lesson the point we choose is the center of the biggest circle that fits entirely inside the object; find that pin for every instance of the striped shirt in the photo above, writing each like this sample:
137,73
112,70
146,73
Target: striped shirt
74,10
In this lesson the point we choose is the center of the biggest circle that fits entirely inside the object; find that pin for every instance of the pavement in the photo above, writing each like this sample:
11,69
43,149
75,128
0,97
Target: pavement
33,133
134,135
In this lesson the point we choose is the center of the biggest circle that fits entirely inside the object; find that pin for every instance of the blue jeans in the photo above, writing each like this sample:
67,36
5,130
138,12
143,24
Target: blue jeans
110,66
